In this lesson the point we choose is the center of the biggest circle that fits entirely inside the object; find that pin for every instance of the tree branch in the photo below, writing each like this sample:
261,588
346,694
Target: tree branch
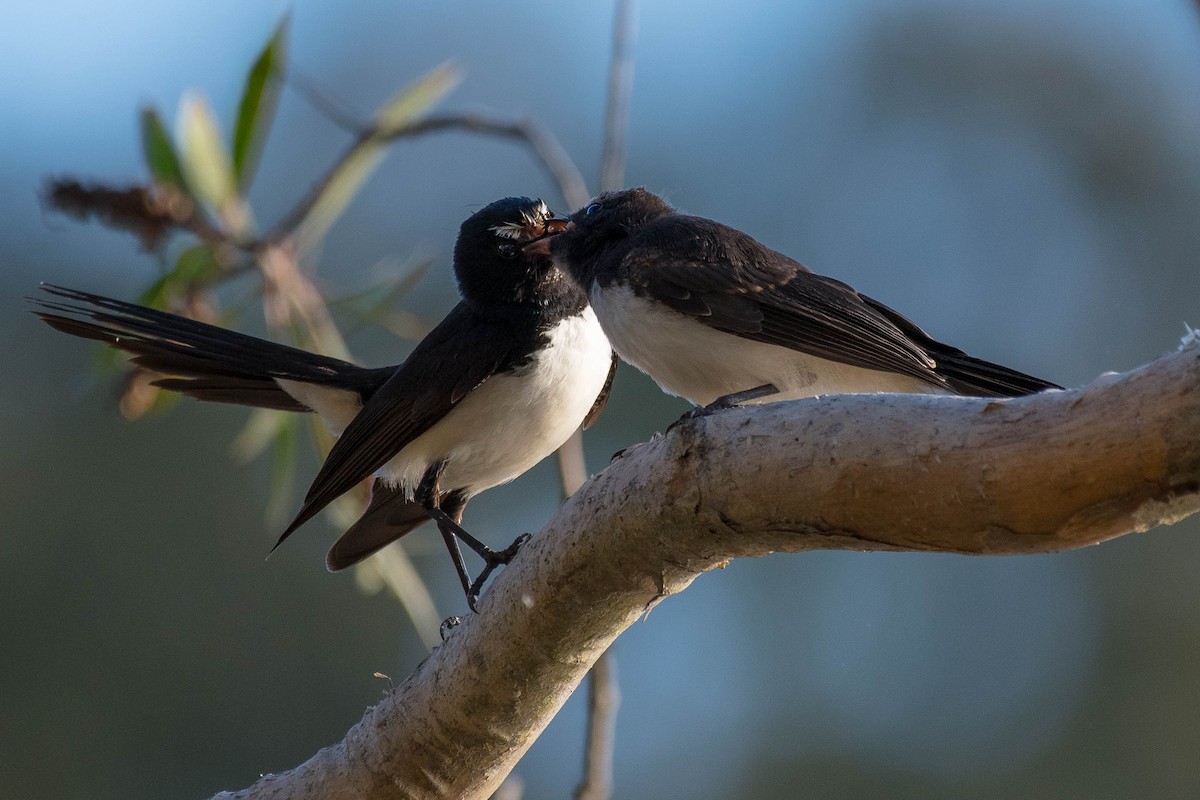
547,149
1036,474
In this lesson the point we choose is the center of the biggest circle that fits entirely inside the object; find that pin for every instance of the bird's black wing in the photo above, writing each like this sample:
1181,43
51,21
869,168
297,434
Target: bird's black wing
726,279
602,398
462,352
966,374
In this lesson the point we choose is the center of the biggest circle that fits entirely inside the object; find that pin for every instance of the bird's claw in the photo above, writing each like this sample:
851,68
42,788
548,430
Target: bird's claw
494,559
507,554
731,400
449,624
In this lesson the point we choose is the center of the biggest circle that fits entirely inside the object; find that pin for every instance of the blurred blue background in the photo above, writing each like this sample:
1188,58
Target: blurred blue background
1021,177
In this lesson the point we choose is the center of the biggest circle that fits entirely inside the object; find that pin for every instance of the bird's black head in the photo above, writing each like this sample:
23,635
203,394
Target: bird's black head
490,265
602,224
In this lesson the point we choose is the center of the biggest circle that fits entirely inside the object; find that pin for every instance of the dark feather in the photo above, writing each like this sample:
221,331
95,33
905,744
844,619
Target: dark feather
726,279
602,398
237,391
966,374
388,517
204,361
464,350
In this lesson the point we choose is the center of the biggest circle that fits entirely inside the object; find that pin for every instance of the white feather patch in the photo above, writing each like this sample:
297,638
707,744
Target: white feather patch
691,360
520,229
512,421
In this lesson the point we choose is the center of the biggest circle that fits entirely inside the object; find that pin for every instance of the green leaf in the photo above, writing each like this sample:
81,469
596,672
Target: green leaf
196,266
278,430
257,106
206,161
348,176
283,468
261,429
207,165
415,99
155,295
159,152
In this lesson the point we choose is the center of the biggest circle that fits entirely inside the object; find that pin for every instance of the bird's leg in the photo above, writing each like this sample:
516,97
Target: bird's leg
429,495
452,532
730,400
737,398
446,511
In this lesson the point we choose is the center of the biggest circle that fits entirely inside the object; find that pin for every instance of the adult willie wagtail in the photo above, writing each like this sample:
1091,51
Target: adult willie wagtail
497,386
716,317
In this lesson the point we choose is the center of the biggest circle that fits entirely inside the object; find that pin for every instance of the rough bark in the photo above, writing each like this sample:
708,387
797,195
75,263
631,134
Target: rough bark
884,472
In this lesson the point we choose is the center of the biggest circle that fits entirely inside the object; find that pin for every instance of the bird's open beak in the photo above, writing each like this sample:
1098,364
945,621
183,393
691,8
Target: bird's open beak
541,245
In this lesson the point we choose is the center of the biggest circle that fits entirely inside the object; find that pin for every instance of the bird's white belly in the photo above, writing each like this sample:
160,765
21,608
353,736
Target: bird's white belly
512,421
692,360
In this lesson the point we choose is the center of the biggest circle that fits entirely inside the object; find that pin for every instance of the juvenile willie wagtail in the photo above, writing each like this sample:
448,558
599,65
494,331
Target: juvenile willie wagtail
718,318
497,386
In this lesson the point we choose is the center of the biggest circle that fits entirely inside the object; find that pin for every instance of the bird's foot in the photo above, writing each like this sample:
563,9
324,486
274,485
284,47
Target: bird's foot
506,555
493,559
726,401
449,624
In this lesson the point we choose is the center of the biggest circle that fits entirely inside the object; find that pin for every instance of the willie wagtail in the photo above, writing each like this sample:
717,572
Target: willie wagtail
718,318
497,386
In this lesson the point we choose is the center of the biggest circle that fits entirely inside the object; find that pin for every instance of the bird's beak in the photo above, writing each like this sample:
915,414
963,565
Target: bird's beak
541,245
538,247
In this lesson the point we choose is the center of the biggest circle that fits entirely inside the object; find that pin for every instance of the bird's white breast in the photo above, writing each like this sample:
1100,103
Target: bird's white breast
514,420
700,363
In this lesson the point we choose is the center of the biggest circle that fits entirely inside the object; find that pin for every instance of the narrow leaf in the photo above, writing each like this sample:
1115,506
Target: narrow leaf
283,469
341,184
261,429
415,99
257,107
205,158
159,152
195,266
156,294
207,165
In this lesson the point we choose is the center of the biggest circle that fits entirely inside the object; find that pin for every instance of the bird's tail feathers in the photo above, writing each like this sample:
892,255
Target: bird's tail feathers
202,361
389,516
964,374
974,376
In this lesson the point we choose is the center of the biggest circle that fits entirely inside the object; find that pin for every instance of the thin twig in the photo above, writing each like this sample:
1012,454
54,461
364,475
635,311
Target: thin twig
603,691
545,147
316,97
620,87
572,470
604,695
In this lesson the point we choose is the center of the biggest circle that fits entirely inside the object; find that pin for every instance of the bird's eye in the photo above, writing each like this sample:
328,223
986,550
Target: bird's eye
507,249
592,209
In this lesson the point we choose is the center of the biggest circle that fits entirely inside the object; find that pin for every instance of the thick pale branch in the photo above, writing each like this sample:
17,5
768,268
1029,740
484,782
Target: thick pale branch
883,472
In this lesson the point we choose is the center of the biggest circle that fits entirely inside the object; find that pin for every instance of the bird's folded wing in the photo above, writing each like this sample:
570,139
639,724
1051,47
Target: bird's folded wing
726,279
462,352
602,399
